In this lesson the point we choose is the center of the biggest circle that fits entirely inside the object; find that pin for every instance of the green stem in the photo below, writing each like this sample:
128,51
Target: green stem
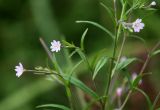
119,56
118,31
126,99
58,69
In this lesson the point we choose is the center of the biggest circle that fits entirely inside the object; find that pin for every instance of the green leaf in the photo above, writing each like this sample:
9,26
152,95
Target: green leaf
82,55
155,53
146,96
108,10
82,39
68,44
96,57
125,63
73,69
80,85
99,26
72,53
136,81
54,106
151,9
158,109
102,61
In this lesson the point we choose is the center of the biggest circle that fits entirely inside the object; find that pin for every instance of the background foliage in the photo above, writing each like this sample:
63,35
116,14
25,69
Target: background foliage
22,22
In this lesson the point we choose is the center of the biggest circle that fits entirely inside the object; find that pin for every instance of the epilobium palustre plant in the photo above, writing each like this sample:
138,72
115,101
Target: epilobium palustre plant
126,25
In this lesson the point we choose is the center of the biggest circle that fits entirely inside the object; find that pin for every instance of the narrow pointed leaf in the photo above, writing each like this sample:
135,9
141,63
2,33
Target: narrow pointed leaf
102,61
82,39
155,52
99,26
125,63
53,106
80,85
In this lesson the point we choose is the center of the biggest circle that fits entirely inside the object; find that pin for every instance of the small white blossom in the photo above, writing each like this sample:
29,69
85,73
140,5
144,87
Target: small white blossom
153,3
119,91
124,58
19,70
55,46
137,25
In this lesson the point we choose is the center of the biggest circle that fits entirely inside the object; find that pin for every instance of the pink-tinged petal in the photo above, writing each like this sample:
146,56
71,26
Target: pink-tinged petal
55,46
19,70
119,91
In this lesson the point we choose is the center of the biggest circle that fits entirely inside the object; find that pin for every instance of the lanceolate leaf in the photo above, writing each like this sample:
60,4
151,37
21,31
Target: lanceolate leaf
125,63
155,52
53,106
102,61
97,25
96,57
82,39
80,85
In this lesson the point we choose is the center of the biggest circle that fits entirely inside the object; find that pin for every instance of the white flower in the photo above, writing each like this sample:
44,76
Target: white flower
137,25
153,3
55,46
19,70
124,58
119,91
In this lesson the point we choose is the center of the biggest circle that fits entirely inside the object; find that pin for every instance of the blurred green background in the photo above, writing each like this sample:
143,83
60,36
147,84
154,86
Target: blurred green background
22,22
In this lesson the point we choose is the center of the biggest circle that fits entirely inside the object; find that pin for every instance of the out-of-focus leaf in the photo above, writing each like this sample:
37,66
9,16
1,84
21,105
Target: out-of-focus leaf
99,26
68,44
82,55
82,39
140,39
73,69
102,61
146,96
109,11
80,85
72,53
125,63
156,100
53,106
151,9
158,109
155,53
98,55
